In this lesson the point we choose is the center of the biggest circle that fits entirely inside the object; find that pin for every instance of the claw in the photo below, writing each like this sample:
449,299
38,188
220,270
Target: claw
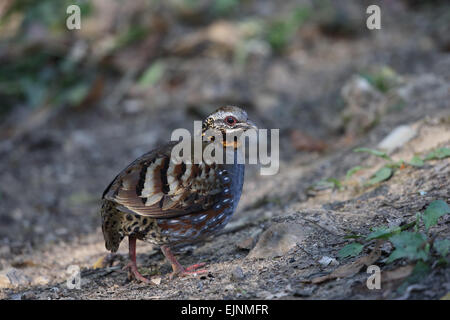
178,269
133,273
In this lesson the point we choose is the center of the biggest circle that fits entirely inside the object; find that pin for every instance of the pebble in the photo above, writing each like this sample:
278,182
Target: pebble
397,138
326,261
237,274
278,240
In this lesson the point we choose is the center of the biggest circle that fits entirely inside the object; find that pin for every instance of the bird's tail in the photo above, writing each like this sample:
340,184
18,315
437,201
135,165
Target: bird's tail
111,226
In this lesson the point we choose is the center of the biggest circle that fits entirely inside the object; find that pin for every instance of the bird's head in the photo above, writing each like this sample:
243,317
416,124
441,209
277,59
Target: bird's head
230,121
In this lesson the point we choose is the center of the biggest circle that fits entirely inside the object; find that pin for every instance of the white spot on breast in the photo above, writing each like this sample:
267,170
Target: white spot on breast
199,218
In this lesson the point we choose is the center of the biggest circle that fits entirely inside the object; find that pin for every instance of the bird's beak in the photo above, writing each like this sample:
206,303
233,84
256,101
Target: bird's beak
250,125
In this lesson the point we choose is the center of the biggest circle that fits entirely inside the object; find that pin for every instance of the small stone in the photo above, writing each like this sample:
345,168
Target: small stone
237,274
246,244
156,280
28,296
278,240
229,287
326,261
397,138
306,292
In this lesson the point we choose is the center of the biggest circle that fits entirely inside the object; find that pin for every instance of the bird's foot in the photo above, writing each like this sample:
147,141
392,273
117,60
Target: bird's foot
133,273
180,271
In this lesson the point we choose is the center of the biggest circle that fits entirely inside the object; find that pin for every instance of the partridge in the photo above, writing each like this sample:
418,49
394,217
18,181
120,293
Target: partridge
160,201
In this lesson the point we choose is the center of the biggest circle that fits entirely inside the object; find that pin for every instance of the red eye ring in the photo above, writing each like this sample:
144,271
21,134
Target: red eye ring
230,120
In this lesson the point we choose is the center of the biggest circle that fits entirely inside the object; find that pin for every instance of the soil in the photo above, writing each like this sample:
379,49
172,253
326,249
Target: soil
53,175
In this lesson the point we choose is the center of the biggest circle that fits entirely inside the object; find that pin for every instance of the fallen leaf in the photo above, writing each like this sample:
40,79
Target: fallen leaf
156,280
304,142
100,263
397,274
351,268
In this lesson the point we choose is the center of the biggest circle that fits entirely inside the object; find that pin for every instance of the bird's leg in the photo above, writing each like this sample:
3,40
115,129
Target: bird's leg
177,268
132,266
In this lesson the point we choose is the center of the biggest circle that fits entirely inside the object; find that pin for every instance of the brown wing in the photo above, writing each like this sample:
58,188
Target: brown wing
154,186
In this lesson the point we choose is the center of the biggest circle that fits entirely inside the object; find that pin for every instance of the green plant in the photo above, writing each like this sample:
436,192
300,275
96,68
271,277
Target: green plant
389,168
281,31
382,79
408,241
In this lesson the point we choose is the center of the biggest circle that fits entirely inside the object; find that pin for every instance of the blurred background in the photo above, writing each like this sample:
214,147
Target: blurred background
76,106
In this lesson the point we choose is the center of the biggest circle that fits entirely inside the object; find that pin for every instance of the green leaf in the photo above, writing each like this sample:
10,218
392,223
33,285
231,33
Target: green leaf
222,7
337,184
353,170
374,152
327,184
350,250
442,247
381,175
440,153
395,165
435,210
416,161
348,236
410,245
152,75
383,233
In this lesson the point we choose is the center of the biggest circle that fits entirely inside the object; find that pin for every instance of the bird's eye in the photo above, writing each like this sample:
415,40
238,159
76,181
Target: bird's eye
230,120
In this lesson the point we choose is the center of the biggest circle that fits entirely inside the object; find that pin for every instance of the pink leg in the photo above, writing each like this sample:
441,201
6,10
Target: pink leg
132,266
177,268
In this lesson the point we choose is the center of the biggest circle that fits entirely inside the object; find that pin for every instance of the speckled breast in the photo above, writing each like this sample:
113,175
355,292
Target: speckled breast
195,226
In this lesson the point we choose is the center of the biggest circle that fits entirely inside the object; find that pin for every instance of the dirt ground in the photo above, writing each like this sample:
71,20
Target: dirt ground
286,225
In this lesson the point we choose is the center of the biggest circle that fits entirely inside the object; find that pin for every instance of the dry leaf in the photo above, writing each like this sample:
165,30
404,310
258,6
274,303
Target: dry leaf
398,273
304,142
351,268
156,280
100,263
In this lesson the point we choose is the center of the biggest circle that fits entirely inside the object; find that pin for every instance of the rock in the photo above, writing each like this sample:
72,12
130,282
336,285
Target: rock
249,243
397,138
237,274
246,244
156,280
304,292
28,296
363,105
304,142
278,240
13,278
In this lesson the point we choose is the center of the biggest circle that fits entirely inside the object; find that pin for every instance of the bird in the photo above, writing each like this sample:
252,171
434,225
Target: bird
163,202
